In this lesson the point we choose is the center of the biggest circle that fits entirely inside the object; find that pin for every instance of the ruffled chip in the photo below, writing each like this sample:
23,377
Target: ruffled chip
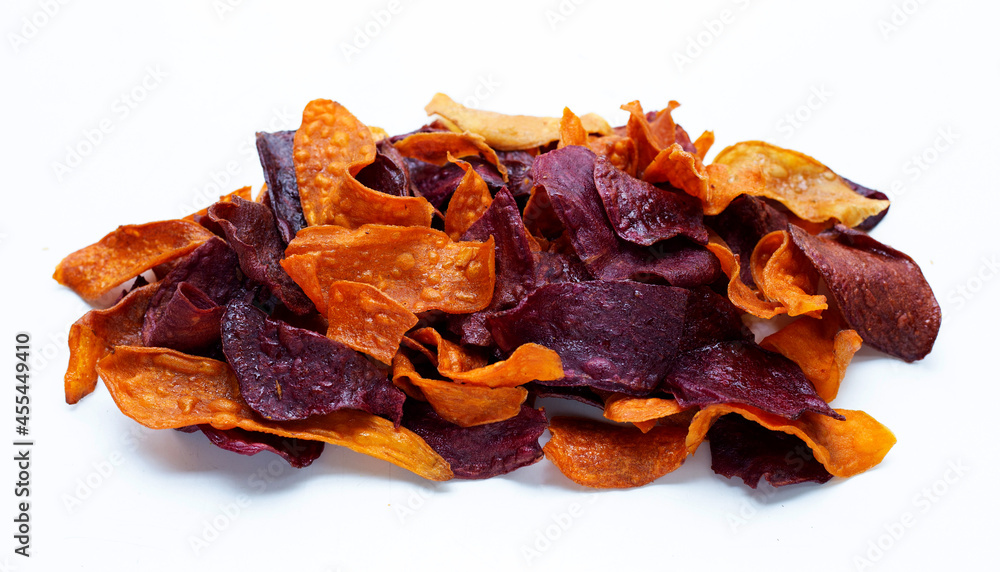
739,293
821,348
166,389
126,253
469,202
508,132
435,148
845,448
785,275
362,317
96,334
277,158
606,456
298,452
331,147
881,292
420,268
437,183
449,357
741,226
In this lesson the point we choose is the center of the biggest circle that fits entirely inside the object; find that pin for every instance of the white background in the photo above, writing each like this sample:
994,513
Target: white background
887,81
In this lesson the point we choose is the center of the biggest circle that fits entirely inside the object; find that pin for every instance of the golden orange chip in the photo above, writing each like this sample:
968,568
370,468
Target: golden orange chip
330,148
421,268
470,405
704,143
571,131
606,456
362,317
845,448
243,193
450,356
807,187
436,147
468,203
681,169
617,149
650,138
529,362
403,373
739,293
96,334
822,348
166,389
625,409
785,275
126,253
508,132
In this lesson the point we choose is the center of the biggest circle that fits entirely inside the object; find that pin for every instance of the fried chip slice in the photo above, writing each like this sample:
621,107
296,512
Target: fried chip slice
420,268
450,357
807,187
846,448
650,137
739,293
571,131
605,456
823,348
470,405
627,409
96,334
508,132
785,275
125,253
617,149
435,147
361,317
703,143
469,202
330,148
166,389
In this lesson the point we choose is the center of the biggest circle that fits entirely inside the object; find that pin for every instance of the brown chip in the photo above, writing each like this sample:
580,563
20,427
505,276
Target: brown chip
362,317
126,253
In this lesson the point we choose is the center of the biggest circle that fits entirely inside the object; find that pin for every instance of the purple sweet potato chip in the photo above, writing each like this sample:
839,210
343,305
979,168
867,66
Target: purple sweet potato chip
275,152
711,318
615,336
436,184
298,452
518,165
744,449
870,222
552,267
289,373
567,175
251,232
881,292
741,372
744,222
643,214
388,173
190,320
482,451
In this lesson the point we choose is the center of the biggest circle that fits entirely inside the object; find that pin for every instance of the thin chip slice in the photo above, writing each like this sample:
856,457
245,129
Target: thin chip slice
450,357
785,275
435,148
470,405
626,409
822,348
620,151
277,159
126,253
362,317
571,131
469,202
242,192
166,389
508,132
606,456
298,452
420,268
739,293
846,448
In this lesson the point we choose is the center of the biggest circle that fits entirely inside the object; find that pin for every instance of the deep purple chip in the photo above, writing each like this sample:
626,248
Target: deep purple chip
711,318
437,184
388,173
518,165
298,452
742,224
276,158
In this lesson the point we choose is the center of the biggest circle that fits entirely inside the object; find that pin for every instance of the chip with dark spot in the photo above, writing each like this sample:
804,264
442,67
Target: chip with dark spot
881,292
387,173
277,160
298,452
482,451
288,373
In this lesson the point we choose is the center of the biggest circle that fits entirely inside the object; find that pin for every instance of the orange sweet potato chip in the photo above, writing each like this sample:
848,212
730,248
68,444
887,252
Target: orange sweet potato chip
626,409
436,147
620,151
785,275
97,333
846,448
703,143
421,268
606,456
243,193
822,348
450,357
330,148
362,317
166,389
403,372
807,187
571,131
125,253
468,203
739,293
650,138
470,405
508,132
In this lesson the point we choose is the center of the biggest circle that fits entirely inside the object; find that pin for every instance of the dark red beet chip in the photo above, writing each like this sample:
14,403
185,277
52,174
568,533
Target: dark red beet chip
615,336
298,452
643,214
552,267
744,449
251,232
711,318
436,184
518,165
743,373
276,158
482,451
881,292
288,373
388,173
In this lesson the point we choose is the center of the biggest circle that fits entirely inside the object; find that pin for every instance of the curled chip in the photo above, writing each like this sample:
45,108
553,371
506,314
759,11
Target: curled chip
626,409
420,268
276,152
298,452
435,148
881,292
845,448
471,199
331,147
822,348
508,132
166,389
606,456
739,293
571,131
126,253
786,276
362,317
